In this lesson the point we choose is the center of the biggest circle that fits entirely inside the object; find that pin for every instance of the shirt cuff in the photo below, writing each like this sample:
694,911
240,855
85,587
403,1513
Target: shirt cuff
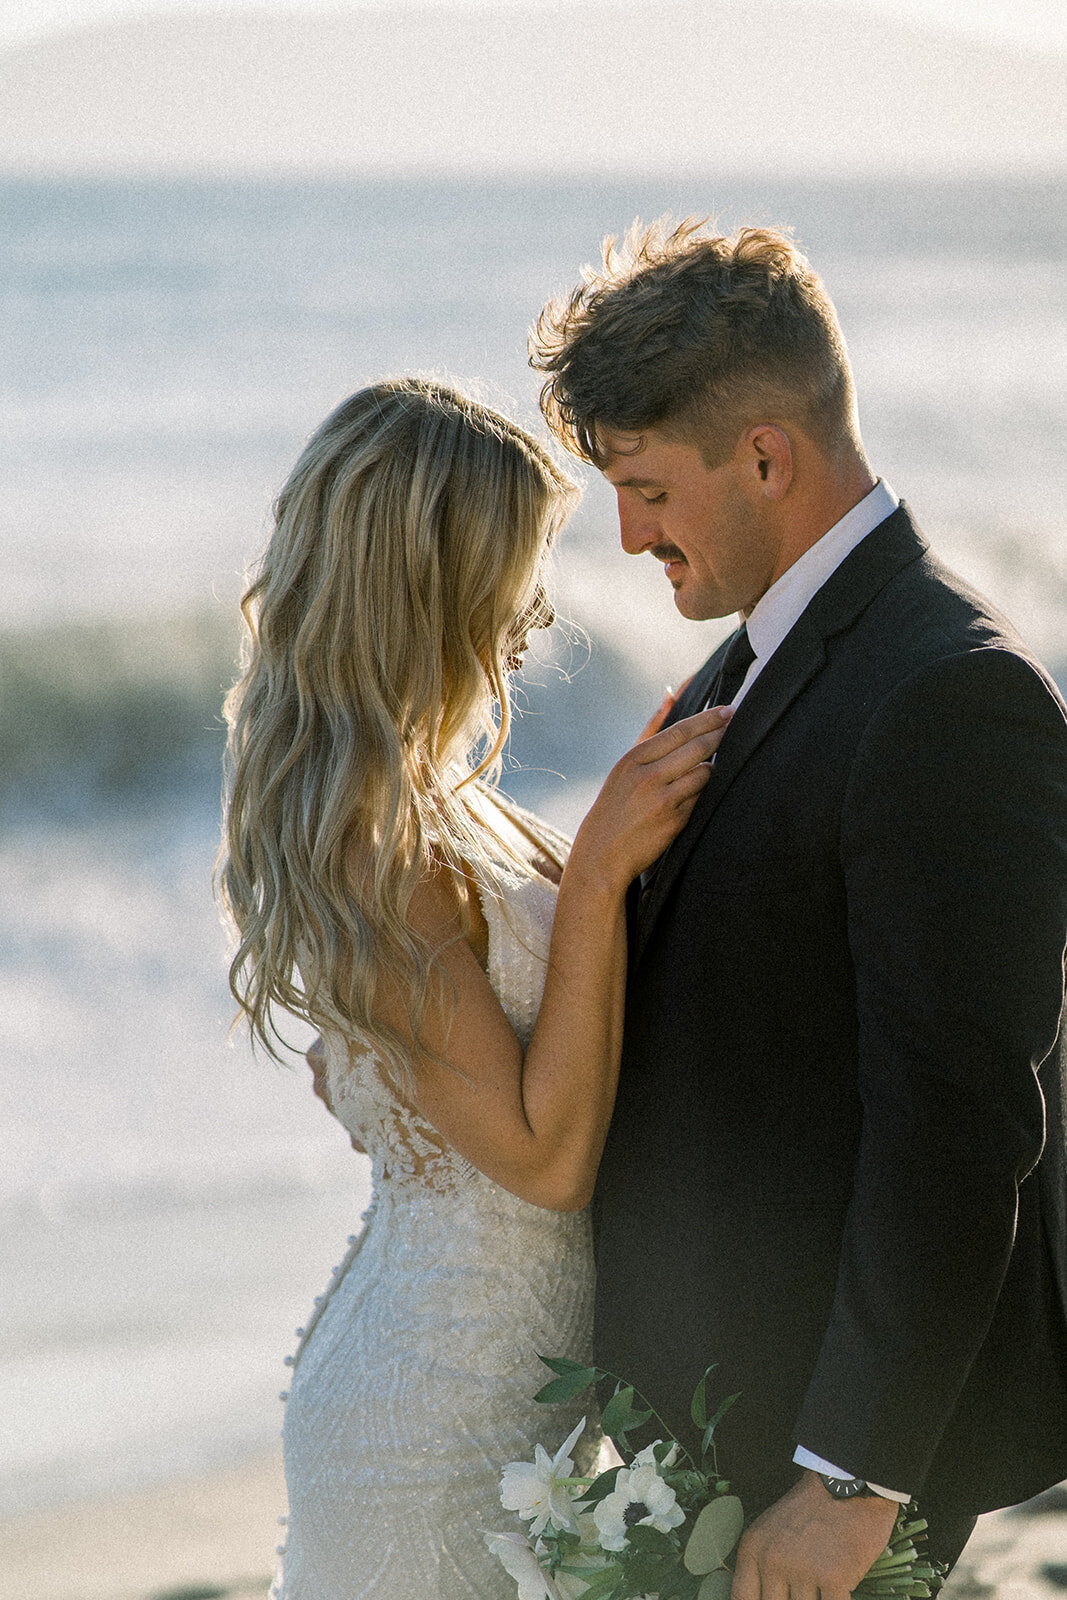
804,1458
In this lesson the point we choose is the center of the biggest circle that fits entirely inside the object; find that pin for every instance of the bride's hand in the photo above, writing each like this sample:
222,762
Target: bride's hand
647,799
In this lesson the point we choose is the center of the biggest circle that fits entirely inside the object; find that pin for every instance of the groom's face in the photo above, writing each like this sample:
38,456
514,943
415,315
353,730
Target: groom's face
707,525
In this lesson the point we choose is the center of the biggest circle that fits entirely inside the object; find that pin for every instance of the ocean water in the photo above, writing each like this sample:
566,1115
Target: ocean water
168,1204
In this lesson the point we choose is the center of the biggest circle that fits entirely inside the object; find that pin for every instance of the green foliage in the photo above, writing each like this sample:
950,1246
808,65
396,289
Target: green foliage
566,1368
620,1416
716,1585
903,1570
715,1533
707,1447
608,1581
643,1574
650,1541
601,1487
698,1408
672,1565
95,712
558,1390
679,1585
572,1378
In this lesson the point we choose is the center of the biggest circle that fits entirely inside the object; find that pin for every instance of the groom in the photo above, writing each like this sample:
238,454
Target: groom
836,1165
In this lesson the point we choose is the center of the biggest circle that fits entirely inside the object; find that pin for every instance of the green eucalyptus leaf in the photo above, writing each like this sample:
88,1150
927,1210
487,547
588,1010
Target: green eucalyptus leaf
643,1574
564,1367
619,1416
603,1583
723,1409
650,1541
717,1585
709,1431
559,1389
679,1585
698,1408
715,1532
601,1487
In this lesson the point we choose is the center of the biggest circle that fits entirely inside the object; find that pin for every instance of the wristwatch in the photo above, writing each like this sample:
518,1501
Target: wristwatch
845,1488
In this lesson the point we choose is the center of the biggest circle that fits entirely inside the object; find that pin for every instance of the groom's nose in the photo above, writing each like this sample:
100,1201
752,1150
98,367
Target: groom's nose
638,525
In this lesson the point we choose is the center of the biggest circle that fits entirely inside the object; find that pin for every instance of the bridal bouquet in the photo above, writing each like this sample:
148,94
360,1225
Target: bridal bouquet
660,1525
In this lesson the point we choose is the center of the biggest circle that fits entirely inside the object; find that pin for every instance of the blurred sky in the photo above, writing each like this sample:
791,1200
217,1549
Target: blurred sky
1038,23
390,86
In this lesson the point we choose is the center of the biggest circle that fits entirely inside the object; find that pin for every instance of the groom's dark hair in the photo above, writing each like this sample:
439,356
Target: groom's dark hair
699,336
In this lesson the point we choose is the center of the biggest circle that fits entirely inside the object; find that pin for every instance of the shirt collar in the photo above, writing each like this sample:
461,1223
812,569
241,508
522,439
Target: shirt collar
775,613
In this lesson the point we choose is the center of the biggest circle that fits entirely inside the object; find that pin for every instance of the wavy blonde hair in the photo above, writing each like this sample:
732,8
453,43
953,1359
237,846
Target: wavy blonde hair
404,567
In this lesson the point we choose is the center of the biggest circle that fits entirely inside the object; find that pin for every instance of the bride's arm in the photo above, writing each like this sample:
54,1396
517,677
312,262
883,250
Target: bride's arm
536,1123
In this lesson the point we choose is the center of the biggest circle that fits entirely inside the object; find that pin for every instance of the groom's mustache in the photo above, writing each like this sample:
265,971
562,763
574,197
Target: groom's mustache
665,552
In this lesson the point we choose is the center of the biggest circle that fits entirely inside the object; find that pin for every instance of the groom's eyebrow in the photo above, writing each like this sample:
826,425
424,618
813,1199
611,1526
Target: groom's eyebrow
633,483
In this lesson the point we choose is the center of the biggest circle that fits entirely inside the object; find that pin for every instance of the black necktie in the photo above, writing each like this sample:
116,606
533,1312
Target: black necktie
736,662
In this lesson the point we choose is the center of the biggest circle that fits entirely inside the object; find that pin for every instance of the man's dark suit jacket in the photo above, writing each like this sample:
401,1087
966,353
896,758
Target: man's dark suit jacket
829,1168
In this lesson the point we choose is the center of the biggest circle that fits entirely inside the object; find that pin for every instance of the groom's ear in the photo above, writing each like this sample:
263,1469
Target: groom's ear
770,457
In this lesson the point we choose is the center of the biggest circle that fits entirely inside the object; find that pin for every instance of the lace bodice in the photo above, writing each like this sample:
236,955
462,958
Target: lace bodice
403,1146
413,1384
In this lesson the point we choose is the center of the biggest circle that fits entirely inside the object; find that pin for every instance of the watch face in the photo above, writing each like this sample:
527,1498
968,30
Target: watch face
844,1488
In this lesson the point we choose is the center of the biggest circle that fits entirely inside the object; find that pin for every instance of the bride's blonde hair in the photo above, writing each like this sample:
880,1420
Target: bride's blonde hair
403,570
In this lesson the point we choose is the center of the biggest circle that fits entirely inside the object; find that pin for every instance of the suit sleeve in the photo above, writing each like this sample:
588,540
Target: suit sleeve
954,854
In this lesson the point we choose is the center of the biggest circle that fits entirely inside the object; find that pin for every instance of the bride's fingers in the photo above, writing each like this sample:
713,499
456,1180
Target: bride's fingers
688,785
670,753
713,721
674,784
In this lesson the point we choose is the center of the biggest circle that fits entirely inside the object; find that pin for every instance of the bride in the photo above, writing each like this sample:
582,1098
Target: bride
465,973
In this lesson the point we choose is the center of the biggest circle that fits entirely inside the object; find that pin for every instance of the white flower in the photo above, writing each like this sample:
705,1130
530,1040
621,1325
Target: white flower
640,1497
647,1457
538,1491
520,1562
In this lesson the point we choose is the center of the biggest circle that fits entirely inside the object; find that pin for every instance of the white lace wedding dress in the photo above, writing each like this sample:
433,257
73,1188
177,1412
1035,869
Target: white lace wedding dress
413,1384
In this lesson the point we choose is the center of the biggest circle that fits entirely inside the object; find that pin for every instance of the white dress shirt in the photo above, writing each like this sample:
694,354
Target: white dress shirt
774,615
770,619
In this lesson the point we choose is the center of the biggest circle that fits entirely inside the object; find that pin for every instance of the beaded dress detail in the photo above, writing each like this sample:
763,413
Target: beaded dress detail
413,1384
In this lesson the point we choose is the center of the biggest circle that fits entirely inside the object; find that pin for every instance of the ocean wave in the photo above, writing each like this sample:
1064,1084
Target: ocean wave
100,713
93,712
96,1200
104,714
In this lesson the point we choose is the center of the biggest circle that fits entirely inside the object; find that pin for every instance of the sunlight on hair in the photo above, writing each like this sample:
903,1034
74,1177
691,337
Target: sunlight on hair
699,335
383,622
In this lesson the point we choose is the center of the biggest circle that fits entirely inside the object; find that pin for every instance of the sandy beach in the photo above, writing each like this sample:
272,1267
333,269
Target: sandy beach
214,1538
203,1538
1018,1554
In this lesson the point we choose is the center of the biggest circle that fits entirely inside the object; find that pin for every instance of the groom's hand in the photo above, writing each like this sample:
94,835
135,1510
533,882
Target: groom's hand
809,1546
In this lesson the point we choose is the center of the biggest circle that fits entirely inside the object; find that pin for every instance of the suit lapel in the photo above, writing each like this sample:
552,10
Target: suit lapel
846,594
